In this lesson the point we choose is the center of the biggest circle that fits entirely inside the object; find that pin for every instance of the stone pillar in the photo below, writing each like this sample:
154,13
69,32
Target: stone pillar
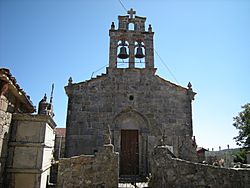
32,143
131,54
149,51
112,50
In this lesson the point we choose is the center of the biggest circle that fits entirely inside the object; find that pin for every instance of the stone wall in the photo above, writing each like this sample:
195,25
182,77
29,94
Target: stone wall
174,172
88,171
129,99
5,120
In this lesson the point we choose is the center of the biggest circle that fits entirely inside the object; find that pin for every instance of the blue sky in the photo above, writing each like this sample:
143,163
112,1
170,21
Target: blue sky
206,42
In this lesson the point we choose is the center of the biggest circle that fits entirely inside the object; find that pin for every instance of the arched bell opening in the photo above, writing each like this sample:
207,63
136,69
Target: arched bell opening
131,26
122,54
139,54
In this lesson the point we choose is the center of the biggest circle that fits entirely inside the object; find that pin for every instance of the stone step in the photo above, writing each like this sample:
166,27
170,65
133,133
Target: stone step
129,185
132,178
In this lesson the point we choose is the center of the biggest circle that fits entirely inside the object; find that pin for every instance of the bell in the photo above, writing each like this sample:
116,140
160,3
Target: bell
123,53
139,52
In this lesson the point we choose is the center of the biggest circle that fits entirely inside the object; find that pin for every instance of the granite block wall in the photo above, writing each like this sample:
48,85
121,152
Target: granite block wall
88,171
178,173
164,107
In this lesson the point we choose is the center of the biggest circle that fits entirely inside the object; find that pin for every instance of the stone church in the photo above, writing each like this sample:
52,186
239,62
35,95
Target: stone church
139,108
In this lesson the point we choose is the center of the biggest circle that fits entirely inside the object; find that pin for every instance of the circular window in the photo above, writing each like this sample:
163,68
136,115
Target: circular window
131,97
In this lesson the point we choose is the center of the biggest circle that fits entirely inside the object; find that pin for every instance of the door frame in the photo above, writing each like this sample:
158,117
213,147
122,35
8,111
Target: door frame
137,150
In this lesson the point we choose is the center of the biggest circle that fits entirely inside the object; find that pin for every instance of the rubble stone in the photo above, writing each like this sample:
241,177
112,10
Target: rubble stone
88,171
178,173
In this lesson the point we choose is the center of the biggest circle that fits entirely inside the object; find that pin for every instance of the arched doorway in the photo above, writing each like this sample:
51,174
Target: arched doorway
130,134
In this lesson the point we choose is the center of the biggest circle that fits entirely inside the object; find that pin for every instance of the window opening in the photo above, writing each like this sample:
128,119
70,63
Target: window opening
131,26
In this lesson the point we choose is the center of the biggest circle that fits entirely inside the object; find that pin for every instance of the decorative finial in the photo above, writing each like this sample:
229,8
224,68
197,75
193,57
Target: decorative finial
44,98
190,91
189,85
45,108
131,13
42,106
107,135
149,28
70,81
112,26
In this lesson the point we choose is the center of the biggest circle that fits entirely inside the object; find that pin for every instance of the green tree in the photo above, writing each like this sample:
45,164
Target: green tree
240,156
242,123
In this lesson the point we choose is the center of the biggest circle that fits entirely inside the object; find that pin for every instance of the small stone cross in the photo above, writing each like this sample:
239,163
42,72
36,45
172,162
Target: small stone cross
131,13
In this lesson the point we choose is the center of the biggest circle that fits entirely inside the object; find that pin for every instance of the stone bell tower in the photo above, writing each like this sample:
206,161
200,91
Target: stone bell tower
139,106
131,43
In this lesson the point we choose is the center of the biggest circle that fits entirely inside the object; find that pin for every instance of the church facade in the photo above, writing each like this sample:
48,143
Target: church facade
138,107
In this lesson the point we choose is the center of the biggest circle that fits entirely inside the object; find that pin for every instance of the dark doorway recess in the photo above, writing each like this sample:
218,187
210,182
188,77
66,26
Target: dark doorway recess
129,155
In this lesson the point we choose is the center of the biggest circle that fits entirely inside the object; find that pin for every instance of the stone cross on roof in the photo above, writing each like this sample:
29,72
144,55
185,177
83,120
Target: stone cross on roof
131,13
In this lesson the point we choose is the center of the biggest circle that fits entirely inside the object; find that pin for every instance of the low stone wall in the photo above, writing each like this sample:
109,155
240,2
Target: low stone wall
174,172
90,171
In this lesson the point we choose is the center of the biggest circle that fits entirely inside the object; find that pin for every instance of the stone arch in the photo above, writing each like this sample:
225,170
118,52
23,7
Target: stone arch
131,120
122,62
140,62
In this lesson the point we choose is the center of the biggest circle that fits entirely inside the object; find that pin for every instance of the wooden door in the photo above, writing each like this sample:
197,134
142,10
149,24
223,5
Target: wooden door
129,155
